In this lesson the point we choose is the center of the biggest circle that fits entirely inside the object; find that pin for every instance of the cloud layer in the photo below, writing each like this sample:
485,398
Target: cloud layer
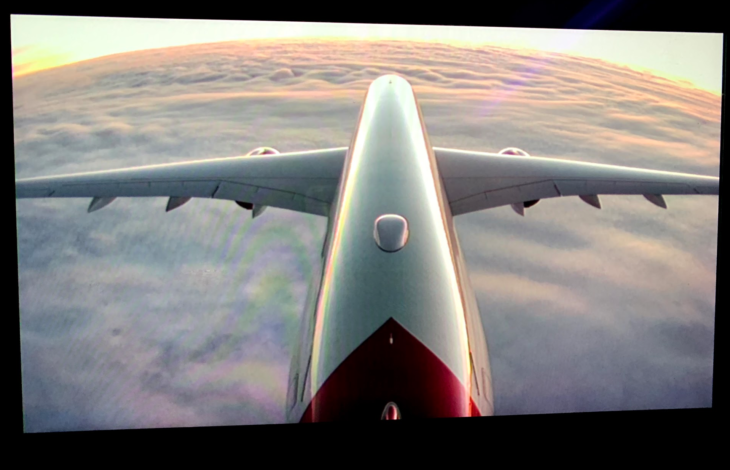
132,318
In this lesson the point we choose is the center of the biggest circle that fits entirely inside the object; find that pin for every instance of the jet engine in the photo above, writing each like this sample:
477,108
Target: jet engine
262,151
514,151
257,209
519,208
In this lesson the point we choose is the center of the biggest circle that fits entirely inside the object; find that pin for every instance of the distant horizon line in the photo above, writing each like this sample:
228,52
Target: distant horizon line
458,43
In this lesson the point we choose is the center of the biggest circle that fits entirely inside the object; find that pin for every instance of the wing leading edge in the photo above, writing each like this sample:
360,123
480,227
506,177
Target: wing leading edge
298,181
478,180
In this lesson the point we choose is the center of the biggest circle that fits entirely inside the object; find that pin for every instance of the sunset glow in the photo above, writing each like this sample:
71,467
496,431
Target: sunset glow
42,42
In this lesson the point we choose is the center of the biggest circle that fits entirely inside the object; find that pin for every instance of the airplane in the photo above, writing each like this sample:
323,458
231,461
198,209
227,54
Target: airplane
391,328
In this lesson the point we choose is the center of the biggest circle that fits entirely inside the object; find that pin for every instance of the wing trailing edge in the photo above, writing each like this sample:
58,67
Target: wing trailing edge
299,181
476,180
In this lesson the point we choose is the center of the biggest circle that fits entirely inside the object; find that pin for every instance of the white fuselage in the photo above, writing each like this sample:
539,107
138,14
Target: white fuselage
434,360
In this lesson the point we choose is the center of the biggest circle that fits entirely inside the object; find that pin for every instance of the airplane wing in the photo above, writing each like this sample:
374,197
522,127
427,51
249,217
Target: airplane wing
477,180
299,181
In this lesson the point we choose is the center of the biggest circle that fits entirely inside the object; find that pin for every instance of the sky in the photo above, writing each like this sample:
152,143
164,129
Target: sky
132,317
40,42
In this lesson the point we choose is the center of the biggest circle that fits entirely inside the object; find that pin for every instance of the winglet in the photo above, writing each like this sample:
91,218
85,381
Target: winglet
656,199
176,202
99,202
519,208
591,199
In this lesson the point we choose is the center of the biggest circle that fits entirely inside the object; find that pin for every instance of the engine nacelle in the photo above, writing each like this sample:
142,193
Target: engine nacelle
521,153
257,209
514,151
262,151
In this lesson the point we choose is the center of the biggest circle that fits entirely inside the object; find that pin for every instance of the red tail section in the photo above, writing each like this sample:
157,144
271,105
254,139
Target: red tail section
390,366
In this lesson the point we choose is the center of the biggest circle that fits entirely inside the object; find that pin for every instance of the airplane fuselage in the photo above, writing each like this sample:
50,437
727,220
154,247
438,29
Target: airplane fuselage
382,326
